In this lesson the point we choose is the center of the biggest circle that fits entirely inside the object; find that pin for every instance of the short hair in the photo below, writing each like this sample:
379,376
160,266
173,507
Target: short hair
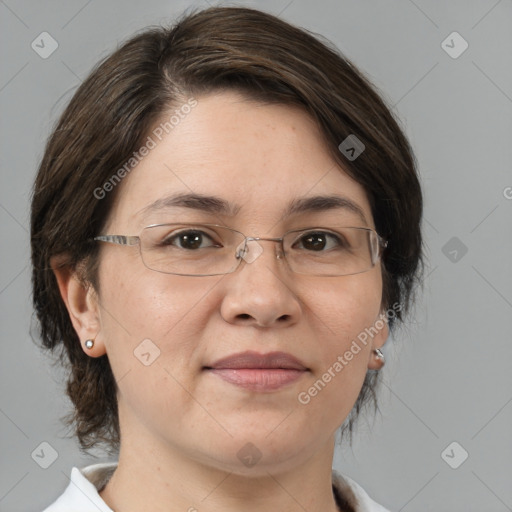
129,92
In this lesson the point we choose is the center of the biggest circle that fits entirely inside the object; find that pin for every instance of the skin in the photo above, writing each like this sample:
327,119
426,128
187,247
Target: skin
182,427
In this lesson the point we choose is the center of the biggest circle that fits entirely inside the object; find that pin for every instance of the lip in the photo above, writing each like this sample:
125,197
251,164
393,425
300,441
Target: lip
255,360
258,372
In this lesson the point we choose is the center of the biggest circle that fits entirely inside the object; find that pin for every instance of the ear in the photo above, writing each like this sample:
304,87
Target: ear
82,304
378,340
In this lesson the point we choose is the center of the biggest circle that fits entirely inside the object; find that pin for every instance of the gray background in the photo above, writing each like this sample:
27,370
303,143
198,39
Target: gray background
448,373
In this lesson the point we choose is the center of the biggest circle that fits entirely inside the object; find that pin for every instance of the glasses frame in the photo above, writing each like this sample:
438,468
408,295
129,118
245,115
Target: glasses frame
131,240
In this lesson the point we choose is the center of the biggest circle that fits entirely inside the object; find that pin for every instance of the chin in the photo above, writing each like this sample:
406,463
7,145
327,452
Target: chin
258,452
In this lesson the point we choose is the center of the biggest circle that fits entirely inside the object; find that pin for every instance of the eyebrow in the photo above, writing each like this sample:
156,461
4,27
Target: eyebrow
219,206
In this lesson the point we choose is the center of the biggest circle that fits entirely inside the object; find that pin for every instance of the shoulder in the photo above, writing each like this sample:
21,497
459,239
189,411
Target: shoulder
354,494
82,492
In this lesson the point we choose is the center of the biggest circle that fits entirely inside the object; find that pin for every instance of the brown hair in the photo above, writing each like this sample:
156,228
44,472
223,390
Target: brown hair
126,94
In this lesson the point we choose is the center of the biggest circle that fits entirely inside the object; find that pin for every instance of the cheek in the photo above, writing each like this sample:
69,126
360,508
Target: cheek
344,314
151,325
346,306
144,303
164,315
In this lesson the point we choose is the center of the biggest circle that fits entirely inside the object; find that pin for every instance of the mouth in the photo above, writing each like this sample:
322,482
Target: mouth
258,372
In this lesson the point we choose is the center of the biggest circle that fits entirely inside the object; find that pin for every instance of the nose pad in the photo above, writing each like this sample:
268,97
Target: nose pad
250,250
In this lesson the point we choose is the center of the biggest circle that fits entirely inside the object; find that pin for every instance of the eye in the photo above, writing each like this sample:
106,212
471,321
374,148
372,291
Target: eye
319,241
190,239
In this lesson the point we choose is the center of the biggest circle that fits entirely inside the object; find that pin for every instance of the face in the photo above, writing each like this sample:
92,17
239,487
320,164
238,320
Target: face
163,333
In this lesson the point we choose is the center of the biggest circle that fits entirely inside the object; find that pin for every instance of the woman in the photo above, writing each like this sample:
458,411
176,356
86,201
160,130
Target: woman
225,227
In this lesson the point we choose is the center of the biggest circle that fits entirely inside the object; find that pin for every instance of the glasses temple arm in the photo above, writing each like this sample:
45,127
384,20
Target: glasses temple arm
118,239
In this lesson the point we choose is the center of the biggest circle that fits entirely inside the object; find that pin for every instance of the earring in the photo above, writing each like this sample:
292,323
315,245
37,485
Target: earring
379,356
89,344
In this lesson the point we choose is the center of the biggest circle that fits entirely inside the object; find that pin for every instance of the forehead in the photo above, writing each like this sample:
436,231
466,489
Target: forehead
259,160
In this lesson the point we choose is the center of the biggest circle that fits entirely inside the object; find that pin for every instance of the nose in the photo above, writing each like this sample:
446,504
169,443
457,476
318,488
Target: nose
261,292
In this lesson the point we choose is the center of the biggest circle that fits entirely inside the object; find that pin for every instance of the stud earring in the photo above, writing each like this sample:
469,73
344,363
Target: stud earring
379,356
89,344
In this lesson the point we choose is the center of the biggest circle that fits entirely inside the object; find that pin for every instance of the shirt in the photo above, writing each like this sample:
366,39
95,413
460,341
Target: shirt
82,493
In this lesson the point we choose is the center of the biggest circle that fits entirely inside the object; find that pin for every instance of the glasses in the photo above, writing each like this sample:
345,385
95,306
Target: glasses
187,249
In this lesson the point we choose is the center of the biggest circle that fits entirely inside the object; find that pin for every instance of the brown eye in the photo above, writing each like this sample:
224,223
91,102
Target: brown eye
319,241
190,240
